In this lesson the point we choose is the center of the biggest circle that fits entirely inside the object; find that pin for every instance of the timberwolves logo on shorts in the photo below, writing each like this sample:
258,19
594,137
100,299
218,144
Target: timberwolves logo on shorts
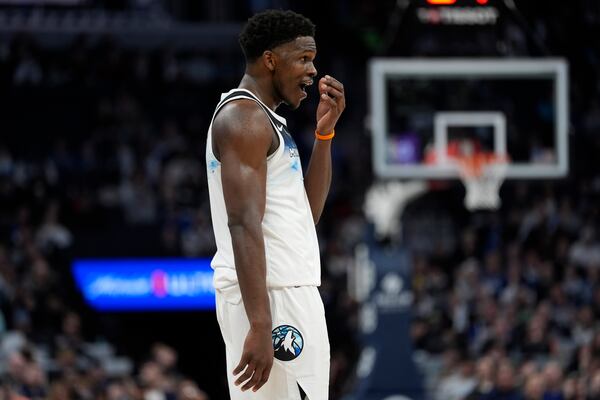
287,342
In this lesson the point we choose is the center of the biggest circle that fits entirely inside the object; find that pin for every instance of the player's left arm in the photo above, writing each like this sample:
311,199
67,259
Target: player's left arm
318,174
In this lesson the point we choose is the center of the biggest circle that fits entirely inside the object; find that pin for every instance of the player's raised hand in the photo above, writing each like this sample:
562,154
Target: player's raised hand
257,360
332,102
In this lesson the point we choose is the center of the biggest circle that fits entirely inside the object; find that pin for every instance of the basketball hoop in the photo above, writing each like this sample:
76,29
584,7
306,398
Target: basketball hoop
482,174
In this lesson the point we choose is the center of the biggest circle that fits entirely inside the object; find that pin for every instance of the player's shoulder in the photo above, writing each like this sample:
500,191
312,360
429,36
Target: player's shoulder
242,125
241,115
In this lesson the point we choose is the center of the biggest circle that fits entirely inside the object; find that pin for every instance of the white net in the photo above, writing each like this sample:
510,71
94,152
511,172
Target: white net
482,183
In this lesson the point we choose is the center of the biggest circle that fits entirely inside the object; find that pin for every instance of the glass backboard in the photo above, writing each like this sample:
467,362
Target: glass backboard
424,111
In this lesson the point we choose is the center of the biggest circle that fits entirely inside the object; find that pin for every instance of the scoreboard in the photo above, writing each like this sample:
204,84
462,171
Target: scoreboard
453,28
458,12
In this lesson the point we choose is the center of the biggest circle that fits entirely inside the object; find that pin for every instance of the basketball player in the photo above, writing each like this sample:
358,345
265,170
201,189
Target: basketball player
264,211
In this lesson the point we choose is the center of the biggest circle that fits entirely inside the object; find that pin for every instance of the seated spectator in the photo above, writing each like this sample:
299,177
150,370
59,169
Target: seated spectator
534,387
505,384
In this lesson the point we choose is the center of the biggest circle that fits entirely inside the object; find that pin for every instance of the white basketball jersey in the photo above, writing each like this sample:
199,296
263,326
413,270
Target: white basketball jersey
291,246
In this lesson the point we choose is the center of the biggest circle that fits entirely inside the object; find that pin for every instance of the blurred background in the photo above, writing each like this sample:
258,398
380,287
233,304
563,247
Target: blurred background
105,229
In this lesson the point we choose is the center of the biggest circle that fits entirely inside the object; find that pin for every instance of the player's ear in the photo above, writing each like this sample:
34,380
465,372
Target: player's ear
269,60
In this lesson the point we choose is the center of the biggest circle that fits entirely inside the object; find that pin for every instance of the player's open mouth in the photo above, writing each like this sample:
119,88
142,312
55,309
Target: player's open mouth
304,85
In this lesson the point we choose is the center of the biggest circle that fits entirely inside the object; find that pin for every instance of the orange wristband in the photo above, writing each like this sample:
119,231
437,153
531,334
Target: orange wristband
328,136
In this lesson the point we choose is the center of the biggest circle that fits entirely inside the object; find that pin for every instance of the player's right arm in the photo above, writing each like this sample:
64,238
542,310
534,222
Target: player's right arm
242,137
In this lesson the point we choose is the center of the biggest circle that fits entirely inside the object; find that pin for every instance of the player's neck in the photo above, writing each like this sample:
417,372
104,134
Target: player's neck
262,88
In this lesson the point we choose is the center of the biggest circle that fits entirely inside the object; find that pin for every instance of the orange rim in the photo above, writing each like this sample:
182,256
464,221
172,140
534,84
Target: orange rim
475,164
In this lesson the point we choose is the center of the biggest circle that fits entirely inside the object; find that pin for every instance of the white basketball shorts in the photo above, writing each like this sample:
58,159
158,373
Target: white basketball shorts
299,338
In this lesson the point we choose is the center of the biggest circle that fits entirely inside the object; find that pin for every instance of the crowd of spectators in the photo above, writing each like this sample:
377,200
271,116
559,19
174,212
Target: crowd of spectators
94,163
512,312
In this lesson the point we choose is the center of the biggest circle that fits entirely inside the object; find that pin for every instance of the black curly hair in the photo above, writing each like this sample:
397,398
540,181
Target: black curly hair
269,29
